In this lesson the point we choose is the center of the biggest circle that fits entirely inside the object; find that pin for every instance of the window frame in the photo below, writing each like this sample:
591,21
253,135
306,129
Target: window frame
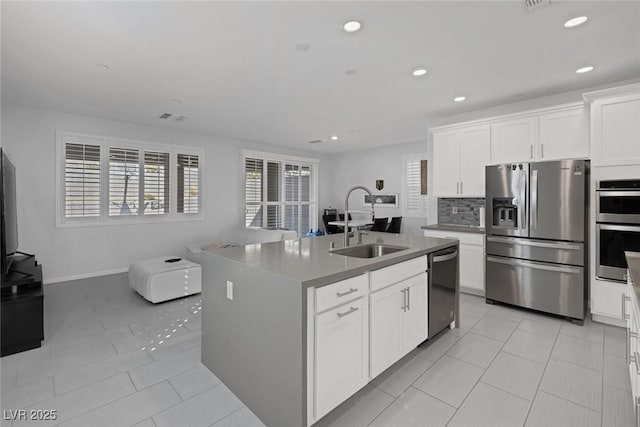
283,160
406,212
105,143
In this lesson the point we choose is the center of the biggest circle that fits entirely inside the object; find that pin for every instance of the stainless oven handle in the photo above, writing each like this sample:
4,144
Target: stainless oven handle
552,245
534,199
618,227
602,193
537,266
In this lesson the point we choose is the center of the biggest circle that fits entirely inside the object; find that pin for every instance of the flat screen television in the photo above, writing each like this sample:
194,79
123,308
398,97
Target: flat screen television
8,212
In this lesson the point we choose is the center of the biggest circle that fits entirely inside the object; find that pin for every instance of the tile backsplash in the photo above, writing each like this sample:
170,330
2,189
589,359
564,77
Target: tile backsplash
468,211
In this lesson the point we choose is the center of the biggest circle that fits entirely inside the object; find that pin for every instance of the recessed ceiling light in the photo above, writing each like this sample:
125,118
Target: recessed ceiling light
459,98
574,22
352,26
584,69
419,72
334,137
104,67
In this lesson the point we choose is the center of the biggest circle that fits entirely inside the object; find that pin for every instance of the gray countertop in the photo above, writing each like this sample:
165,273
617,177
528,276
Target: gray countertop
633,263
310,262
455,228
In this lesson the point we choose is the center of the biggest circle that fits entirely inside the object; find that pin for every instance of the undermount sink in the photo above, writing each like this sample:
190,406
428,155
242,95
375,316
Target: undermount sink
370,250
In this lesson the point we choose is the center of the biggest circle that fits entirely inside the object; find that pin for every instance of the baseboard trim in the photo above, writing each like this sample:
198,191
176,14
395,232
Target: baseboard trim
608,320
85,275
472,291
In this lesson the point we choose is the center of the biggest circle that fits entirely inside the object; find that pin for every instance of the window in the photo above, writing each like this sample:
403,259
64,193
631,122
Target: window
81,180
156,183
415,186
280,192
188,184
124,181
108,180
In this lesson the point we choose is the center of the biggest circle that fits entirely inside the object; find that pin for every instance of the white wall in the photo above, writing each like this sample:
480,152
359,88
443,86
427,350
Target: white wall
29,136
365,167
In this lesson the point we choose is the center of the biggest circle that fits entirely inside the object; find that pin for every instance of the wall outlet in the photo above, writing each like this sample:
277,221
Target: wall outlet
229,290
454,210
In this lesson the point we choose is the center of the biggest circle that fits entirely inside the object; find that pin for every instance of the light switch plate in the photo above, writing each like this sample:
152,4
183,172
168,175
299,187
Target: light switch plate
229,290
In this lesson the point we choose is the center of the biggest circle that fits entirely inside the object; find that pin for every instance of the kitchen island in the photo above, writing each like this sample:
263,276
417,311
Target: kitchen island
294,329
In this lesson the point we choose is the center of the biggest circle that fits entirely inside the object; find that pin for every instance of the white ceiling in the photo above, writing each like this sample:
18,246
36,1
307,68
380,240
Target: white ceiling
235,67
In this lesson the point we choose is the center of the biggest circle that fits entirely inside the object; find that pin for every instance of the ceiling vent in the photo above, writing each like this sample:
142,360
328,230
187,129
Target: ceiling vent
165,115
533,5
315,141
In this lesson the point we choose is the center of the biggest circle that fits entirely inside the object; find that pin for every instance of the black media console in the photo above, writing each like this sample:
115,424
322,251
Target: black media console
22,306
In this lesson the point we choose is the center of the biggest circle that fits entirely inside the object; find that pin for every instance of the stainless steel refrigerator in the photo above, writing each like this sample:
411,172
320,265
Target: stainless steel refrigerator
537,236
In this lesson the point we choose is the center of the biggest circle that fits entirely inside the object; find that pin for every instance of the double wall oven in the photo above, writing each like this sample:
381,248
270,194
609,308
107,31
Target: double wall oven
617,226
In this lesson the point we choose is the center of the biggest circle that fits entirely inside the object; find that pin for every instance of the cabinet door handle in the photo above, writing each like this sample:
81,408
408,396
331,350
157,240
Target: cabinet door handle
542,150
625,316
408,298
404,300
637,411
350,291
346,313
461,190
531,149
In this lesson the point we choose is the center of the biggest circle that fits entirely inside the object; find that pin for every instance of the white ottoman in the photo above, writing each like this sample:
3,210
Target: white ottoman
158,280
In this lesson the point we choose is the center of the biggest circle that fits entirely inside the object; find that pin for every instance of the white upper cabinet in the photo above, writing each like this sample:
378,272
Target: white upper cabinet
564,134
615,126
475,155
461,152
513,140
460,157
446,156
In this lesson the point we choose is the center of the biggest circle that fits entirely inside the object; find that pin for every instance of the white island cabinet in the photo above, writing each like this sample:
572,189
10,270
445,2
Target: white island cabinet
341,343
377,318
398,312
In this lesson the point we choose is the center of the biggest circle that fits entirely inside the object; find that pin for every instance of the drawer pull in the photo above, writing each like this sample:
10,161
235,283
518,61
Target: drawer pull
350,291
346,313
636,360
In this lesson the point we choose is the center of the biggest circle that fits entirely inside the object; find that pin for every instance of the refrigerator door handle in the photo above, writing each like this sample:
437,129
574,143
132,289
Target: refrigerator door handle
537,266
523,200
521,242
534,199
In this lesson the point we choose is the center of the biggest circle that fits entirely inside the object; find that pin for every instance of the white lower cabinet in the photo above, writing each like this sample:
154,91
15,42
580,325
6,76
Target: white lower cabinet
398,323
631,314
342,354
605,301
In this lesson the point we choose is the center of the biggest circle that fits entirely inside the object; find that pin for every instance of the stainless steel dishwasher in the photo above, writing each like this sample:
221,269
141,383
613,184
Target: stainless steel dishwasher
443,276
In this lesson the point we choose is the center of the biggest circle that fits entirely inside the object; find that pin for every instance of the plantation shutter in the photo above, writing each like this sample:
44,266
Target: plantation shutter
253,192
274,190
124,181
415,200
188,184
81,180
156,183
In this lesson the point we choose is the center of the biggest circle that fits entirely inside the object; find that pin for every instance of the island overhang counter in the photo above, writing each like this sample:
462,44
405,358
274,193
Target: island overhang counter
287,325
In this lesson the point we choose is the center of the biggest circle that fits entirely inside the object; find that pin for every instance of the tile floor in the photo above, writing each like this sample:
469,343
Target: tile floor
112,359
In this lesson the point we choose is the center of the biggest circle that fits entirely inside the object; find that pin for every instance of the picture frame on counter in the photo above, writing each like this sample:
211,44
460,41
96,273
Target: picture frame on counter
381,200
